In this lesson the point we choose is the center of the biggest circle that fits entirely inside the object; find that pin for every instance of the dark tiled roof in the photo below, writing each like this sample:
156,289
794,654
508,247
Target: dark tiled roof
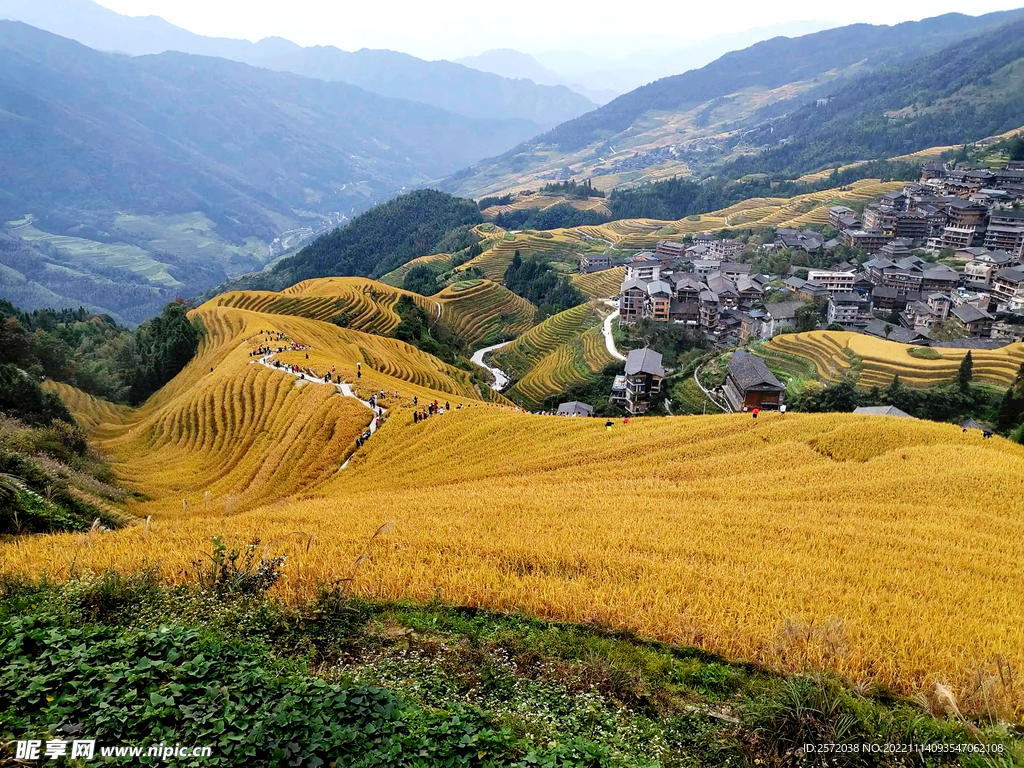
658,286
846,297
635,282
972,343
749,371
574,406
685,281
1008,214
644,361
896,333
783,310
966,313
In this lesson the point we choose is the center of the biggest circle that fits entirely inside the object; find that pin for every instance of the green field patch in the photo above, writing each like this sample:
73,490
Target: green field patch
130,258
192,234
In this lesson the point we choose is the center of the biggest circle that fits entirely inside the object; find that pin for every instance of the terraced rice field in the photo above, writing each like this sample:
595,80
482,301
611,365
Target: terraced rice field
91,412
481,311
524,202
247,433
687,398
800,542
569,363
874,361
121,256
598,285
793,370
437,261
517,358
558,244
795,212
367,304
567,244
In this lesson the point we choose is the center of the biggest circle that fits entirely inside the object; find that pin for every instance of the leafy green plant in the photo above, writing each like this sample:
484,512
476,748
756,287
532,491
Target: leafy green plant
236,571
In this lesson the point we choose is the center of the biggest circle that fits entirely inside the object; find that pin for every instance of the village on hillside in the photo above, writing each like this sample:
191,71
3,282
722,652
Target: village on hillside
938,263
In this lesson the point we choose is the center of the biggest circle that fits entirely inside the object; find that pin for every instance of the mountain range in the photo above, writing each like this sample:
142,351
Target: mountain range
130,178
452,87
173,172
173,133
675,125
513,64
601,73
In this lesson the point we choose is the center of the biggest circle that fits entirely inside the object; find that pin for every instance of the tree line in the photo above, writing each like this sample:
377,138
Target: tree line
952,402
95,354
538,283
559,216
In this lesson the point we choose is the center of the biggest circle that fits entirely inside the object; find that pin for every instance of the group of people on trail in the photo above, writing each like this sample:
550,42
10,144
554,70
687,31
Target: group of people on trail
279,335
375,401
265,349
432,409
361,440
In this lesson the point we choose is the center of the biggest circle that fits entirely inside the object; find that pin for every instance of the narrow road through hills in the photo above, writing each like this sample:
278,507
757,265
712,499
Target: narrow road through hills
500,378
344,388
608,340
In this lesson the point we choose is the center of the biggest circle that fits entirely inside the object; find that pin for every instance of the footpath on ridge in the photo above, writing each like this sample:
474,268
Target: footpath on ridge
343,388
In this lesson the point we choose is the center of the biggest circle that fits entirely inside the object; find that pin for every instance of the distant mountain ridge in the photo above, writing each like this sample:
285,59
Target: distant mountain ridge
513,64
774,63
173,133
128,181
647,119
968,91
443,84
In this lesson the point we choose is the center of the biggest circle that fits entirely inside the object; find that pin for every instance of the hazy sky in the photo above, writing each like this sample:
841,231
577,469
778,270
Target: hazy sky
453,28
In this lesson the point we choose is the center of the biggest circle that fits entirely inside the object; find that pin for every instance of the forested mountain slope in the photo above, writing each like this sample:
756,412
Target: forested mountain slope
970,90
174,133
131,181
372,244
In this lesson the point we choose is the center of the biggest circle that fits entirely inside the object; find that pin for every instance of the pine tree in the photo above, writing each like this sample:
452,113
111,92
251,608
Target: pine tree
966,372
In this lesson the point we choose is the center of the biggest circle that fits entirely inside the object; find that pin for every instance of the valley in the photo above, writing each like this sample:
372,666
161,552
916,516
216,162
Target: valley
359,409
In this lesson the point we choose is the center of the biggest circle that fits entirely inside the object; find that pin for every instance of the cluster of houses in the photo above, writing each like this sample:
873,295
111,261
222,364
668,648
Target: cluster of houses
955,209
975,214
749,383
703,284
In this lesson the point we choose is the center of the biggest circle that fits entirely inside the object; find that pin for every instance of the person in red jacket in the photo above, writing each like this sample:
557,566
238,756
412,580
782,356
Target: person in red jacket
756,411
